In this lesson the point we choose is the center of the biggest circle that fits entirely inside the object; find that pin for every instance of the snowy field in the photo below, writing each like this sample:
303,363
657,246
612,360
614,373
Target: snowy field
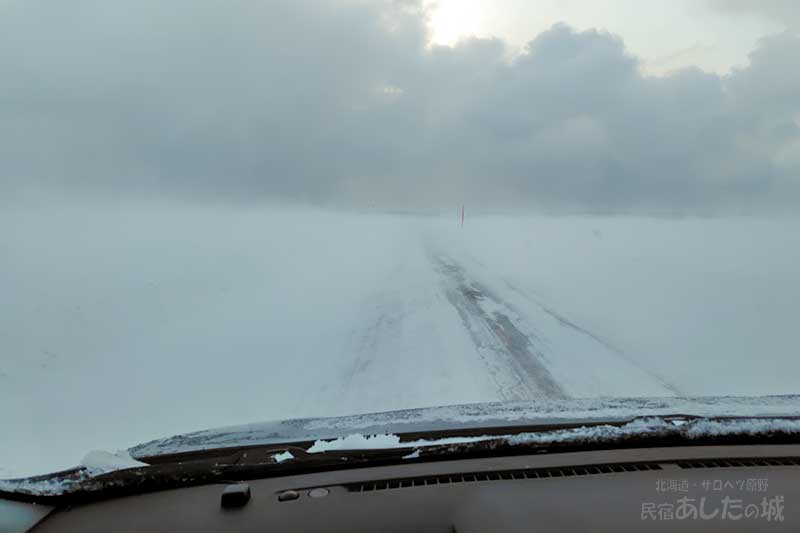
121,326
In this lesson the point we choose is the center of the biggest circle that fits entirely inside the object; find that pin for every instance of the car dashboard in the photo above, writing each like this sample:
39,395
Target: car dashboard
701,488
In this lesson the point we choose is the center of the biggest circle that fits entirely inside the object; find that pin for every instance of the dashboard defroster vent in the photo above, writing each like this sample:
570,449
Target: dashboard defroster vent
528,473
738,463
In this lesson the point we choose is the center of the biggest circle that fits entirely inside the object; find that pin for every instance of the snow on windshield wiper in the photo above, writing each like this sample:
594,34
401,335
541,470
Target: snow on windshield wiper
218,466
94,464
465,417
679,426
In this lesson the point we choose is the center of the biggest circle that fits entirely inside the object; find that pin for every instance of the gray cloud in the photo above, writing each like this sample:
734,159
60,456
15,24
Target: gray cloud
342,101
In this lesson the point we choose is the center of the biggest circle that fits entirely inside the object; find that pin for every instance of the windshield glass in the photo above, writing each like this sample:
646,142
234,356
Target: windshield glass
221,213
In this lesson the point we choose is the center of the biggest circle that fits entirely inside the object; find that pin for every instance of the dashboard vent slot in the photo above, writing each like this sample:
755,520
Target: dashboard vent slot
528,473
737,463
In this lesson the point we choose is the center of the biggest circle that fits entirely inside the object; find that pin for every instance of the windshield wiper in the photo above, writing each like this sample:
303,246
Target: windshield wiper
229,465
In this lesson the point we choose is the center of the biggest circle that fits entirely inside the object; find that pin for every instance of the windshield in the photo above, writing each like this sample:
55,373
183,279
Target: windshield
222,213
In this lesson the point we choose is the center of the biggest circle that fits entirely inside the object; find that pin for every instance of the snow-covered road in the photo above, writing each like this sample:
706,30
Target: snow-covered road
514,362
531,351
125,326
439,326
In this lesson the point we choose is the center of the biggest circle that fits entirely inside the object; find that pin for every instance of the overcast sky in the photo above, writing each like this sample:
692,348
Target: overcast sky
595,104
665,34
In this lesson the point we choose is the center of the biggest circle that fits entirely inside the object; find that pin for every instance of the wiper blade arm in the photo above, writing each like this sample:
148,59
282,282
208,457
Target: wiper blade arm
239,464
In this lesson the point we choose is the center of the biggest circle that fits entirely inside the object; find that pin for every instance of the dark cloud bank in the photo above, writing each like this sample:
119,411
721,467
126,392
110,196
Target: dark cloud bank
343,102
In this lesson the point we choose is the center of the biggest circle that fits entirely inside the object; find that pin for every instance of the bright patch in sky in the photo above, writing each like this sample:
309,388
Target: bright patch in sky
451,20
665,35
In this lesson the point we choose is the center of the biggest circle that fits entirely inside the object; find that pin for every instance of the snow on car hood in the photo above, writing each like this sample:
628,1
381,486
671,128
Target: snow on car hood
637,417
641,427
482,415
